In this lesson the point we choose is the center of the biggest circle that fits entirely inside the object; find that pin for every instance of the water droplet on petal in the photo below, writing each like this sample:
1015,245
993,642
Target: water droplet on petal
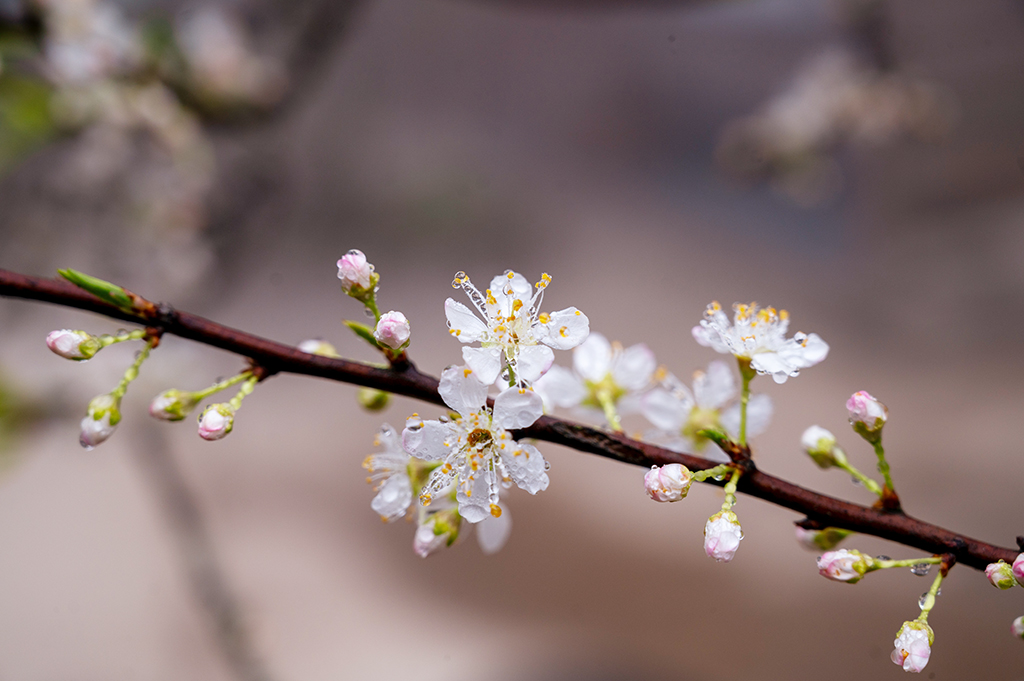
414,424
547,465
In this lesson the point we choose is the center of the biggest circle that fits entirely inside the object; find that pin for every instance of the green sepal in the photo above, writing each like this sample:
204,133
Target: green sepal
363,331
372,399
104,290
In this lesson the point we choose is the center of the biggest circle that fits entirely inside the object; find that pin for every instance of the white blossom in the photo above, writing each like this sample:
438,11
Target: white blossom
820,445
355,272
600,366
722,535
315,346
759,336
216,421
392,330
912,646
842,566
680,413
670,482
477,452
389,473
513,332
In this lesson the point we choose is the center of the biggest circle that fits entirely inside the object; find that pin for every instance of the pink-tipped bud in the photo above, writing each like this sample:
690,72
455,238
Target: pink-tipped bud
866,413
1018,627
100,420
668,483
912,646
1000,575
172,405
355,273
722,535
392,330
76,345
843,565
426,541
216,421
1018,569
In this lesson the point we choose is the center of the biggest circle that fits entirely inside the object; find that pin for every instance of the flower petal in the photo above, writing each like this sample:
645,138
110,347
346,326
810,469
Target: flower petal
593,358
461,390
485,363
774,364
517,408
462,323
475,506
425,439
634,368
393,497
527,467
560,387
532,361
666,411
715,387
493,532
565,329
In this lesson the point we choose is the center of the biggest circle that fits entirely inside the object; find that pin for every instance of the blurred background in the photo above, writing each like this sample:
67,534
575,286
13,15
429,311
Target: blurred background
858,162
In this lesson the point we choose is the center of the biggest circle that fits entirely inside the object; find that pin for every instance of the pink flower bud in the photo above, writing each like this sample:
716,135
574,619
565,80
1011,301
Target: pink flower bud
1018,627
392,330
668,483
1018,569
100,420
866,410
722,535
913,646
427,541
1000,574
842,565
354,271
216,421
172,405
69,344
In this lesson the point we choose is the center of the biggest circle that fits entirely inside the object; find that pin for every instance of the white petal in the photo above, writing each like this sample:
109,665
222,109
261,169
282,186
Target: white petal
759,415
592,359
425,439
521,288
393,498
812,351
532,361
560,387
634,368
463,324
476,506
460,389
714,388
528,469
564,329
485,363
493,532
517,408
666,411
773,364
710,338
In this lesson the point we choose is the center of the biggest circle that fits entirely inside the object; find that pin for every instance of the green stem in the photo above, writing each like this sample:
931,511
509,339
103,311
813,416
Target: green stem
236,402
611,414
511,376
722,469
217,387
883,465
106,339
909,562
132,372
929,599
371,305
730,490
747,374
865,480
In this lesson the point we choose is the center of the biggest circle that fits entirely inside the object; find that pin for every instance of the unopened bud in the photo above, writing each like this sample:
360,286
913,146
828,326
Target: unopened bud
101,419
318,347
867,415
216,421
844,566
372,399
913,646
173,405
441,530
722,535
392,330
1018,569
821,540
76,345
1000,575
1018,627
820,445
668,483
357,276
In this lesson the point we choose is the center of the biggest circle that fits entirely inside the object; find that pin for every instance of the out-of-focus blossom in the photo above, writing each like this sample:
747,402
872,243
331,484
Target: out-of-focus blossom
820,445
514,334
101,418
843,565
821,540
389,473
1017,627
1018,569
1000,575
912,646
670,482
759,336
173,405
315,346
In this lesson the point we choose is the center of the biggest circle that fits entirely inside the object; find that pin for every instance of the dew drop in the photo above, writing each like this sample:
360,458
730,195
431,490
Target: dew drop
856,482
926,602
86,446
443,419
414,423
719,478
547,465
368,312
921,569
883,557
939,592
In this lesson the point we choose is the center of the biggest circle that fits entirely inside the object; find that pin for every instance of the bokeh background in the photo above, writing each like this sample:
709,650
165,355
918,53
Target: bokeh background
858,163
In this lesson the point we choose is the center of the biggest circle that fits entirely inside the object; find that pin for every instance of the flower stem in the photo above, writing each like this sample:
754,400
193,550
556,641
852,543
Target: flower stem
371,305
611,414
909,562
929,598
883,465
223,385
247,388
864,480
722,469
107,339
747,374
133,371
730,489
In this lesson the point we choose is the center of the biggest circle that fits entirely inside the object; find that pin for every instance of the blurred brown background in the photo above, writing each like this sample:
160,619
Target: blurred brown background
442,136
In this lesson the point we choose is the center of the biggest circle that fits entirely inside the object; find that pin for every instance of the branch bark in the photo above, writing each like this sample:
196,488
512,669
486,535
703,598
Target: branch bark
405,379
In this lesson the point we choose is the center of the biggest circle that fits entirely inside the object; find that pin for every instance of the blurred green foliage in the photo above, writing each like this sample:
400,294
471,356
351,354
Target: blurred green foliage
25,119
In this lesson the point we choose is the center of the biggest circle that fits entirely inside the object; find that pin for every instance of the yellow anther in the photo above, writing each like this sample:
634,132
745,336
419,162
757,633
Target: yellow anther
495,510
466,372
660,374
369,480
491,300
563,331
783,315
517,305
714,306
511,275
425,499
544,318
578,313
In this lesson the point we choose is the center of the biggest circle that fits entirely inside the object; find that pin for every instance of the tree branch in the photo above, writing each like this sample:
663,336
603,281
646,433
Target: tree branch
821,510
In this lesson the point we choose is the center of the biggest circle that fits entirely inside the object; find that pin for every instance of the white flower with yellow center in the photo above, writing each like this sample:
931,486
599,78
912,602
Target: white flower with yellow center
477,453
389,471
514,334
759,337
680,413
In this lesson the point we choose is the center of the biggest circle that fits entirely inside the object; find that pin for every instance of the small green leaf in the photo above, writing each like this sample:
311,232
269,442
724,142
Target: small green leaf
104,290
363,331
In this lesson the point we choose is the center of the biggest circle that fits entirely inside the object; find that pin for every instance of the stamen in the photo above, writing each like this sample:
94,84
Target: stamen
463,282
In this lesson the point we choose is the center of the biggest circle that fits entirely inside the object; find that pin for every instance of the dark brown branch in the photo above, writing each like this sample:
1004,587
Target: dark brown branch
821,510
